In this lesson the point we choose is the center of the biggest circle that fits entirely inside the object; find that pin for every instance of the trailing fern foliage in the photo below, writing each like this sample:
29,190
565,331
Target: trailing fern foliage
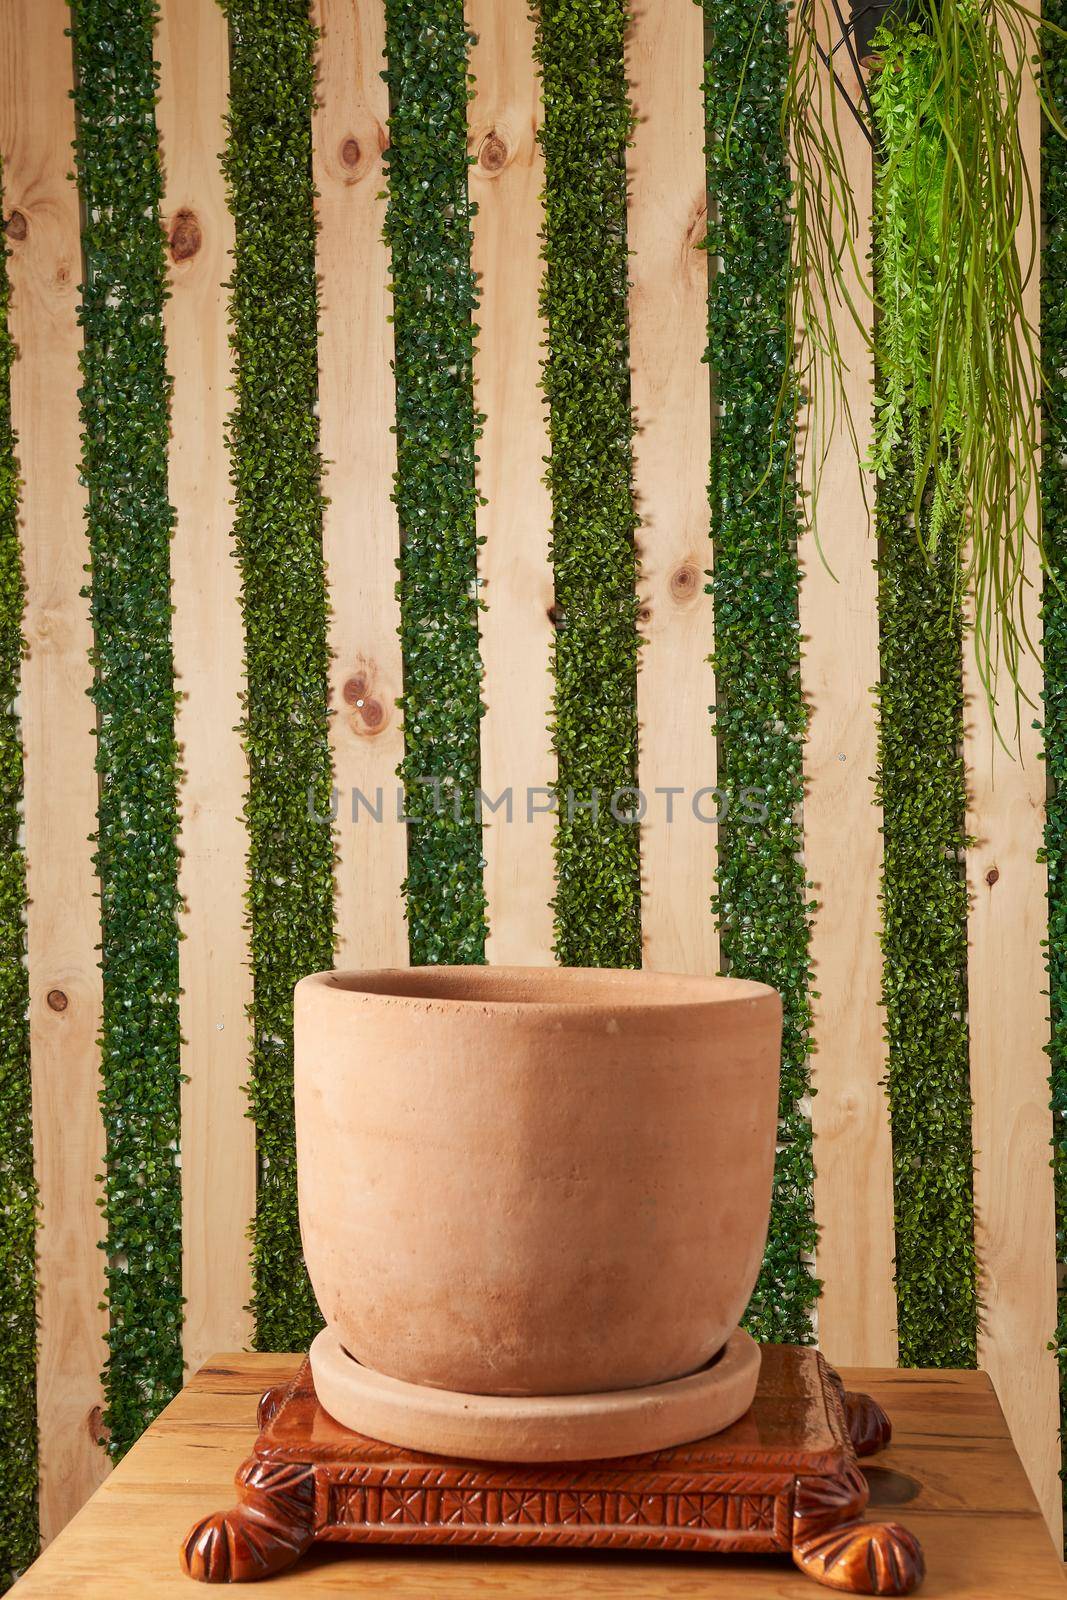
19,1533
434,298
762,902
125,397
274,442
1054,491
955,236
909,243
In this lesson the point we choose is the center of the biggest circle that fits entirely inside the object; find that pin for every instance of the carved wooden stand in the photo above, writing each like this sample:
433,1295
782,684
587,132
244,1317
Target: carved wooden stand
784,1478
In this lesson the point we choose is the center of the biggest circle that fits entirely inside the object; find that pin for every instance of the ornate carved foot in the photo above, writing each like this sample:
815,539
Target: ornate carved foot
268,1530
868,1426
863,1558
832,1546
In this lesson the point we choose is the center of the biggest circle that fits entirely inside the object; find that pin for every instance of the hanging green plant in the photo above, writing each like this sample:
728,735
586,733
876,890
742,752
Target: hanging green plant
1054,640
957,243
910,248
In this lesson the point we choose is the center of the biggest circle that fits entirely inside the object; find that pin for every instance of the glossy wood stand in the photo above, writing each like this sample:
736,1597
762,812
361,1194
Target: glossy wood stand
782,1479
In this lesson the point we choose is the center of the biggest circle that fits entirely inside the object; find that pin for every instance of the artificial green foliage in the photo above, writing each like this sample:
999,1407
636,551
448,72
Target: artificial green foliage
956,237
125,396
18,1192
1054,491
762,902
920,785
908,245
274,443
434,297
586,128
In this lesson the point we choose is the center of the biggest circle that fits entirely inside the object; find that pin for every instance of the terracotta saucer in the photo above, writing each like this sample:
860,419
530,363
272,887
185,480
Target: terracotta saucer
572,1427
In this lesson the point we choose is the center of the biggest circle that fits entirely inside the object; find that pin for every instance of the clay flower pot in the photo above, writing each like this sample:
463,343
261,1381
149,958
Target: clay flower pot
541,1183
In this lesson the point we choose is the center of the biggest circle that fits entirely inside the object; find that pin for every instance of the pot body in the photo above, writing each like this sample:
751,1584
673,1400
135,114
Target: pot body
867,17
527,1181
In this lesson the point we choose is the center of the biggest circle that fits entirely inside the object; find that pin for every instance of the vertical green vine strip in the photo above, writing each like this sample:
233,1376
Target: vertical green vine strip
1054,491
434,298
762,901
924,940
276,470
18,1192
125,398
921,783
586,380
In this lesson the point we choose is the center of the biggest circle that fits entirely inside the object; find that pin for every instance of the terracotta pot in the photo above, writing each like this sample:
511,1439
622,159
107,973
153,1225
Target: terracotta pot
520,1181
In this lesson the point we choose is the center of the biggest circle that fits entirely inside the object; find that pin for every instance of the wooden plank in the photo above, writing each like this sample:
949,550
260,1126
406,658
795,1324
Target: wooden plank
1015,1231
950,1475
671,395
36,132
515,522
361,536
839,666
218,1139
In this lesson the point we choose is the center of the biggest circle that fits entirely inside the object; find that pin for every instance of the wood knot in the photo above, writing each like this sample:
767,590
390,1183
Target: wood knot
644,614
16,226
697,230
684,582
185,236
99,1433
493,152
370,713
992,876
57,1000
350,153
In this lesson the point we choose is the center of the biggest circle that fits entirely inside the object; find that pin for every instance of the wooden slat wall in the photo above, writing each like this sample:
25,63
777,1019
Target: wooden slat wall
41,204
843,855
514,563
218,1139
675,687
671,395
361,537
1015,1227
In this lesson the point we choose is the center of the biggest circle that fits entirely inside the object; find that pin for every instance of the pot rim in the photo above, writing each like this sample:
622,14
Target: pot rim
572,991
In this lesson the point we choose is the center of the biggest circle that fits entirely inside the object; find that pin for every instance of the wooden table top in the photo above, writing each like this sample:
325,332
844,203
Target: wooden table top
951,1476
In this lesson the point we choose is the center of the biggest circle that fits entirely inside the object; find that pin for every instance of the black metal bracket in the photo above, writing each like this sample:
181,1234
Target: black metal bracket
845,41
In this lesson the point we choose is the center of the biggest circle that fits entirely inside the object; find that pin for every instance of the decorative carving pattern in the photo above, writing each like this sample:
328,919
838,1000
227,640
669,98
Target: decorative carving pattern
863,1558
488,1509
783,1478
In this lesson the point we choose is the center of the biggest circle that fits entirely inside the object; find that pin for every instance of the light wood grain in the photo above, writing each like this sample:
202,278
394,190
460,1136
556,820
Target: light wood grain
1015,1231
361,536
41,205
513,564
670,391
843,847
950,1475
218,1139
